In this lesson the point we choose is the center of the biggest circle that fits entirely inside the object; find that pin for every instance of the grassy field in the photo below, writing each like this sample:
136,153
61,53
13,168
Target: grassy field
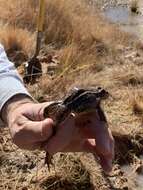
90,52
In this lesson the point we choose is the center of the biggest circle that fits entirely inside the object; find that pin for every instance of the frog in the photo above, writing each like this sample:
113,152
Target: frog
78,101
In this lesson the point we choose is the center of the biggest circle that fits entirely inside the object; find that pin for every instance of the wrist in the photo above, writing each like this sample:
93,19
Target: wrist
13,103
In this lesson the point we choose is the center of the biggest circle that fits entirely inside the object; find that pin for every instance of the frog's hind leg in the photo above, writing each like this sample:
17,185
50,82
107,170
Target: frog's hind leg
49,161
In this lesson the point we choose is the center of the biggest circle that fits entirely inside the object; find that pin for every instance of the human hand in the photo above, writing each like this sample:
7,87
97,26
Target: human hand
29,130
25,120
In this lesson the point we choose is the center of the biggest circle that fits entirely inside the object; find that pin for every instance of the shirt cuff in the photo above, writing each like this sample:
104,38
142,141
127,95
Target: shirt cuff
9,87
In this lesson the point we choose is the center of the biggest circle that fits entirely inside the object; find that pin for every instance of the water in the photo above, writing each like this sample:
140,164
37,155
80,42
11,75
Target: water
129,22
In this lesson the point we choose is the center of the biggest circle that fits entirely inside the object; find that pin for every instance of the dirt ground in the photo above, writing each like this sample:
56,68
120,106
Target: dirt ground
99,54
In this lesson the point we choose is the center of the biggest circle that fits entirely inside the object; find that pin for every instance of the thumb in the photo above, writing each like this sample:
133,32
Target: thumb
38,131
46,129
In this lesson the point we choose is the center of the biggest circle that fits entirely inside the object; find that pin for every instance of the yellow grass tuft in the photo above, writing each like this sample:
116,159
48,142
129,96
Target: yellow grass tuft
137,105
18,13
16,39
136,102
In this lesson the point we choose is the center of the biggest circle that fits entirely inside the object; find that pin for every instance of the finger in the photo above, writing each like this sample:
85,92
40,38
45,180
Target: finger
44,105
40,131
38,111
33,132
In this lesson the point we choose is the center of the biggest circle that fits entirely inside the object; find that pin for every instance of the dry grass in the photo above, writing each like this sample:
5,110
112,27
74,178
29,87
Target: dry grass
18,13
136,101
65,24
91,52
70,174
16,39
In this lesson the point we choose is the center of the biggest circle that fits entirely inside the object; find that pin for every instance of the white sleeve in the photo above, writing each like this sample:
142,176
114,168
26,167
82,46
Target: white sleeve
10,81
